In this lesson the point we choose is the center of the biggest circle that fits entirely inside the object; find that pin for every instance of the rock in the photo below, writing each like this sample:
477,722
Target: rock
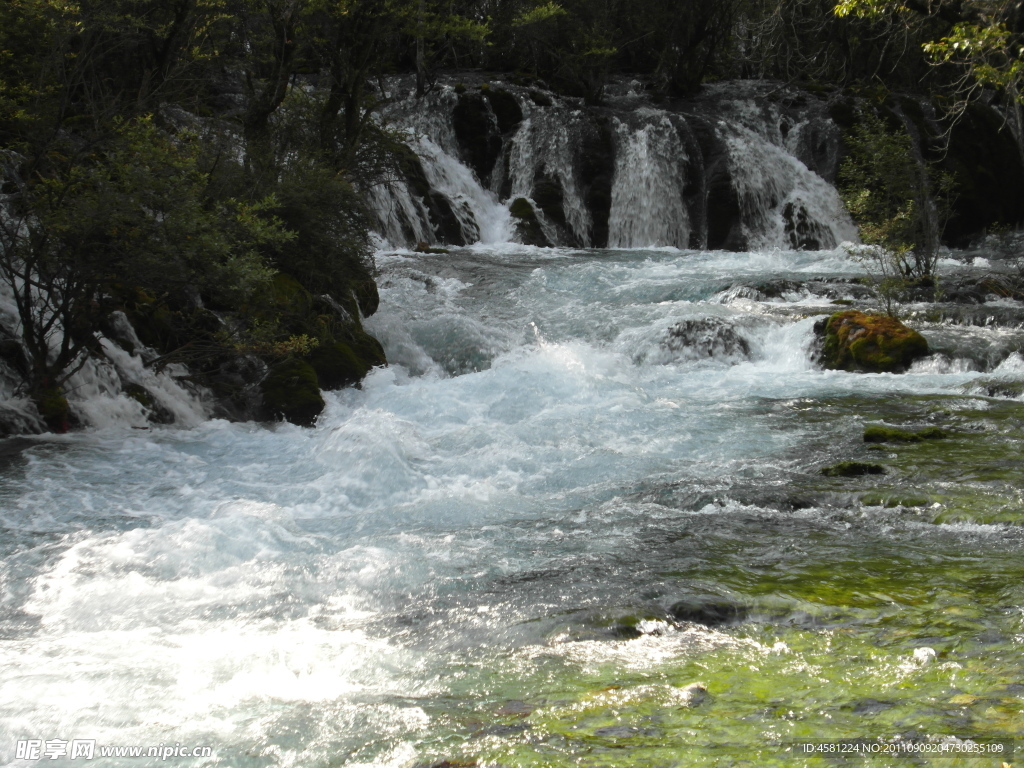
506,109
13,353
337,365
853,469
879,434
707,337
868,343
477,133
597,174
527,225
291,390
155,412
53,409
709,611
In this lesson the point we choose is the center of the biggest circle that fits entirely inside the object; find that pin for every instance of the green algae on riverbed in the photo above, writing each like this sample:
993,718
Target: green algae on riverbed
892,640
890,609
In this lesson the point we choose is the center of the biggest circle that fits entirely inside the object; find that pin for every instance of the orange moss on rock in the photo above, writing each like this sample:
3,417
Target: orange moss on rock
857,341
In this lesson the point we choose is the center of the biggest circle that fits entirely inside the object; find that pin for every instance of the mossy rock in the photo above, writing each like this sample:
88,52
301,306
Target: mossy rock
880,434
540,99
287,295
892,500
53,409
367,296
853,469
337,365
291,390
868,343
345,363
527,225
367,348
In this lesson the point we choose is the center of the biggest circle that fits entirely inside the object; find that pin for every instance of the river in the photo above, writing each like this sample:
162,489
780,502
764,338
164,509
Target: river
487,552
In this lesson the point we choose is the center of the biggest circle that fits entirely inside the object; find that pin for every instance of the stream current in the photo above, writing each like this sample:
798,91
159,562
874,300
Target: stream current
480,555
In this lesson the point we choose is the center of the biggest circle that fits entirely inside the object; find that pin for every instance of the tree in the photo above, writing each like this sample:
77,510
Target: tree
136,213
982,43
899,204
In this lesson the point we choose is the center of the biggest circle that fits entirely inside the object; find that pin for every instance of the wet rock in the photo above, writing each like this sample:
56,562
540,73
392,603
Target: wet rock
597,174
291,391
527,225
1010,388
13,353
708,337
155,412
476,130
853,469
868,343
985,159
506,109
709,611
53,408
345,363
802,232
881,434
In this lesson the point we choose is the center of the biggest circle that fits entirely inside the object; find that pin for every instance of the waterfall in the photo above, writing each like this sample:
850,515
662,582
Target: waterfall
742,162
782,202
544,148
647,195
481,216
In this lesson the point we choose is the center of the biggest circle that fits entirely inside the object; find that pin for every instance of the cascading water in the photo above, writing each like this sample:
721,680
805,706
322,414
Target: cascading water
580,520
647,207
544,146
782,203
642,182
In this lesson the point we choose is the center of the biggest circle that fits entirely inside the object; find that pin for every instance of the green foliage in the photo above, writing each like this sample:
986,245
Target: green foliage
899,203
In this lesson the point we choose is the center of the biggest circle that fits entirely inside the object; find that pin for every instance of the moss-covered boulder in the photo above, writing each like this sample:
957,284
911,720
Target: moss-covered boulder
527,225
53,408
337,365
869,343
291,390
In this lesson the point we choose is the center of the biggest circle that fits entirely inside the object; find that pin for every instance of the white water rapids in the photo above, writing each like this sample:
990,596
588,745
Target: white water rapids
365,592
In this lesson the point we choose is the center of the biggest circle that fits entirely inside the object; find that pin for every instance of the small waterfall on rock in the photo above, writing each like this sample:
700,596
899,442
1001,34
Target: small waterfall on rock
647,207
782,202
482,219
542,167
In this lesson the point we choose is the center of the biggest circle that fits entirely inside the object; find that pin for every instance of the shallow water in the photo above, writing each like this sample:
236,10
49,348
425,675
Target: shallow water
475,556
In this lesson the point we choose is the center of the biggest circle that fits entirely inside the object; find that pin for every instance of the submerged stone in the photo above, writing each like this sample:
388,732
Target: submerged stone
880,434
853,469
709,611
868,343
